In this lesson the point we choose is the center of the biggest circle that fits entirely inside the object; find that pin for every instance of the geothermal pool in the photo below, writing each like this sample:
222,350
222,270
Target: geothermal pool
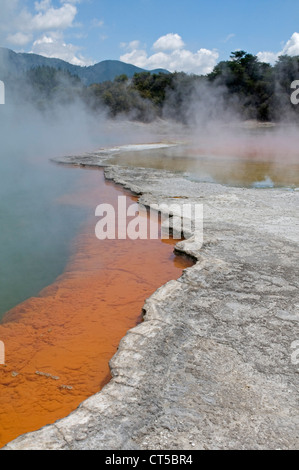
58,343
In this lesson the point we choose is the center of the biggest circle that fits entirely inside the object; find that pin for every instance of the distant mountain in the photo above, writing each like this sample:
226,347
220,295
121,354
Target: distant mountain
16,64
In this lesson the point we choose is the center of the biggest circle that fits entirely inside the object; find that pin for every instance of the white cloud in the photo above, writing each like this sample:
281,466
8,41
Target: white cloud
97,23
44,28
171,55
53,18
53,45
17,19
290,48
229,37
268,57
8,10
70,1
42,5
169,42
19,39
130,46
136,57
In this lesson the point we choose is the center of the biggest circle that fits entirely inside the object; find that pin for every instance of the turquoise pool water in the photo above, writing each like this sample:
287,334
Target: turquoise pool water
35,228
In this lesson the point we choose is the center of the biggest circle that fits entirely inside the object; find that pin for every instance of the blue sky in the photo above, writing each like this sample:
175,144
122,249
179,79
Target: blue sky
188,35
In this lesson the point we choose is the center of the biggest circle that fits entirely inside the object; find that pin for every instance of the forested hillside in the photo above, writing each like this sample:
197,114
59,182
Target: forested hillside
15,65
248,88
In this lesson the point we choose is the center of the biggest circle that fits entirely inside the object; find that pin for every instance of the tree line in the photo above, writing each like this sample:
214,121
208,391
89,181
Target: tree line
250,88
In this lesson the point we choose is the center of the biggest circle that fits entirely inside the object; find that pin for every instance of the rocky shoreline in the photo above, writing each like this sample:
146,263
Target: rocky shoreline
212,365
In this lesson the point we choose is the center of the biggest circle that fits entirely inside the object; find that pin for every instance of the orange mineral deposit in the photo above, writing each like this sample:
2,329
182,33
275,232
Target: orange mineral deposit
58,345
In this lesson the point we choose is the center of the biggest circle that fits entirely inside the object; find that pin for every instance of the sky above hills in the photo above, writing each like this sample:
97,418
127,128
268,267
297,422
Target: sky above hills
189,35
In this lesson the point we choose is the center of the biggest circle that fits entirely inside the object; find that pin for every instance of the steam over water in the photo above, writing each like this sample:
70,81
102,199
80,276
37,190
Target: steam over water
258,160
35,228
37,225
